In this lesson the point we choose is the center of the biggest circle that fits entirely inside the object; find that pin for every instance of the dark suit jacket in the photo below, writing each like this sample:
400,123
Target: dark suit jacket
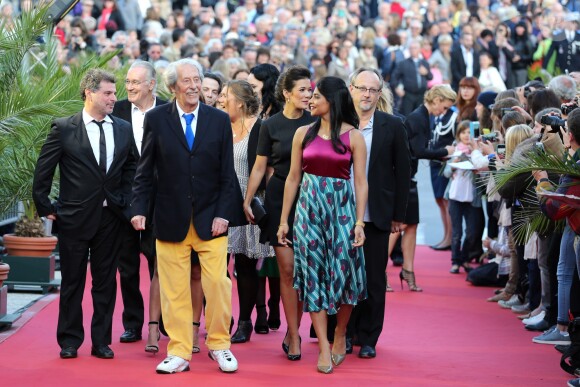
458,67
406,73
201,182
567,55
83,188
419,133
123,110
389,171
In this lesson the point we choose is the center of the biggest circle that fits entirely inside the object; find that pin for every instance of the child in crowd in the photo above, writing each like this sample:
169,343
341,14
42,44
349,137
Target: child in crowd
461,195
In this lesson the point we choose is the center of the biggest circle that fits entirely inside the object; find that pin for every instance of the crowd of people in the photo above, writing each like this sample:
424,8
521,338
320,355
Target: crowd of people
284,185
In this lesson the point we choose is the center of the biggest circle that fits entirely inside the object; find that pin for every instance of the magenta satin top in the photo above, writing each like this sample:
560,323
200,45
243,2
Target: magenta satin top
319,158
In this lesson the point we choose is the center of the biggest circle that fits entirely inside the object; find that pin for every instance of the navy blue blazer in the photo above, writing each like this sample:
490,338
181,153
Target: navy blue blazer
199,184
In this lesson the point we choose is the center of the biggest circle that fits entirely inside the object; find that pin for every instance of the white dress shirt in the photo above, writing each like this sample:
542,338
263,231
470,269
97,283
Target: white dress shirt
367,133
94,135
468,59
137,118
182,119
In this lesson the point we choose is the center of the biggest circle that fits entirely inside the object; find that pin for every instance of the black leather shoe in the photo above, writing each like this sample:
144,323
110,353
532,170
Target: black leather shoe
397,260
348,345
441,248
367,352
102,352
68,353
131,336
561,348
538,327
243,333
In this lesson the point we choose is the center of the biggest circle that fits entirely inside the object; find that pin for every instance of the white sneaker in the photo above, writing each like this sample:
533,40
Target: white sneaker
172,364
513,301
534,319
226,360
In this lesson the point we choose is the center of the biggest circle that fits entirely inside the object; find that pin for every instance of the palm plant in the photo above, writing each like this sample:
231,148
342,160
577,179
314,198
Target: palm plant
530,219
34,89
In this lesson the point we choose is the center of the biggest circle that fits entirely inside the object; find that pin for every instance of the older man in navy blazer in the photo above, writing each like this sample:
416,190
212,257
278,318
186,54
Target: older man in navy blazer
188,153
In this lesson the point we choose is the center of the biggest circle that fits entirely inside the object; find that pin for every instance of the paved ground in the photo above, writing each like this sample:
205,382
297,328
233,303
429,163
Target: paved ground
430,231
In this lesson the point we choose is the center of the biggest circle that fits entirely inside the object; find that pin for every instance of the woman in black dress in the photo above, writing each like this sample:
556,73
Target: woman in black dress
263,78
438,100
274,149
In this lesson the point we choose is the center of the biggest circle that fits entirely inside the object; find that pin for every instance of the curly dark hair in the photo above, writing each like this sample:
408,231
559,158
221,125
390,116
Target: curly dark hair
342,109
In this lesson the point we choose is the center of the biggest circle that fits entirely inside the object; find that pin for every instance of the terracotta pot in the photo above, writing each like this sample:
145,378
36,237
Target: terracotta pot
4,269
29,246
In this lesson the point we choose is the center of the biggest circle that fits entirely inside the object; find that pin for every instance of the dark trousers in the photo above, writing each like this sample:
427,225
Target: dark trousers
553,256
492,228
367,318
129,269
247,285
74,253
535,284
459,211
410,102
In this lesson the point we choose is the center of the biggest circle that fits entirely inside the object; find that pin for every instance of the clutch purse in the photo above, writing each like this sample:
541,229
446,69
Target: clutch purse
259,211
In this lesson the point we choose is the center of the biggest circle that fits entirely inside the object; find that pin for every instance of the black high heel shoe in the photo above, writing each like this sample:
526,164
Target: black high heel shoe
261,327
243,333
274,316
286,349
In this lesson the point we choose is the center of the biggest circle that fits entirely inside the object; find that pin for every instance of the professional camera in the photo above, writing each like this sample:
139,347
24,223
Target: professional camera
567,108
556,122
491,137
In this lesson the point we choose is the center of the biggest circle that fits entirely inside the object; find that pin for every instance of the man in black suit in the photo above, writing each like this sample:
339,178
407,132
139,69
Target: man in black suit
94,153
140,85
566,45
464,60
188,154
389,175
410,79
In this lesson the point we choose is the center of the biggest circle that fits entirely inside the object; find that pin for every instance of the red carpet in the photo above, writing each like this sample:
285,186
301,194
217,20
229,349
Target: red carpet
446,336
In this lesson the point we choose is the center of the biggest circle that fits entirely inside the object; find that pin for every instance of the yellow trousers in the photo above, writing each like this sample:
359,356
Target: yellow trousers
174,268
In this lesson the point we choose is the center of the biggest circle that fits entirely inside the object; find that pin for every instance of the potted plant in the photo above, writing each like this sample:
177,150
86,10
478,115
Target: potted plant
34,89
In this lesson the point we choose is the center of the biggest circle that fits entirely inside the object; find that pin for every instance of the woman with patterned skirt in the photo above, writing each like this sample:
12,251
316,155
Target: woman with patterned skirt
329,272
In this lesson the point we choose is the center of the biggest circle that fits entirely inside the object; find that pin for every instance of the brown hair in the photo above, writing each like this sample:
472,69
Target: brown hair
467,108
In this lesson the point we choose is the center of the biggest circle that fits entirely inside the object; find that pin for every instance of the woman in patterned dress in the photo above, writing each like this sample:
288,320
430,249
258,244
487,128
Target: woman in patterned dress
329,272
239,100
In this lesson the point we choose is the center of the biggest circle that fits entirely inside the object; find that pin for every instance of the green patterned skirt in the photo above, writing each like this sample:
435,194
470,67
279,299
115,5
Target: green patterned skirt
328,271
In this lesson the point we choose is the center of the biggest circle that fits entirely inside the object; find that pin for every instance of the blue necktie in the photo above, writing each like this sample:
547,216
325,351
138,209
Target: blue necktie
188,131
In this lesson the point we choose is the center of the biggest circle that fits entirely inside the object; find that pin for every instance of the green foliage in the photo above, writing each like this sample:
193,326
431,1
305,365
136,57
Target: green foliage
33,92
531,219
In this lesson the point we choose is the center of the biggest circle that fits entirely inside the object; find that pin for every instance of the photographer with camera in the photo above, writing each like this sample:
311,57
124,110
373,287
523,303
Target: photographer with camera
556,209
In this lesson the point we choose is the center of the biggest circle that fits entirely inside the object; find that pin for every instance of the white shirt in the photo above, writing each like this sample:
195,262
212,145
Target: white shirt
468,59
182,119
367,133
137,118
94,135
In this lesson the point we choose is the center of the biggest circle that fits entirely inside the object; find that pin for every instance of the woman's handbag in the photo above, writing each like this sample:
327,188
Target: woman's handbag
260,215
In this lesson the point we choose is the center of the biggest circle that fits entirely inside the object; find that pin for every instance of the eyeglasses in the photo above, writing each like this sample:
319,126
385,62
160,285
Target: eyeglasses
133,82
365,89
